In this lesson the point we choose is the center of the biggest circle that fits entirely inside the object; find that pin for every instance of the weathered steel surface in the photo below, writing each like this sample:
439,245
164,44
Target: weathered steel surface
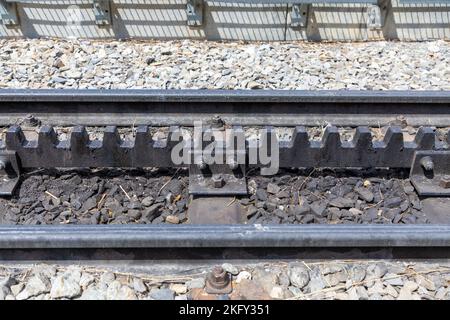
142,151
49,150
215,210
223,236
260,107
431,178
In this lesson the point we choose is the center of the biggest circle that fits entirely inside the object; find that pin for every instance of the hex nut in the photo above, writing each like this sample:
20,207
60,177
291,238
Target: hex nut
444,182
218,181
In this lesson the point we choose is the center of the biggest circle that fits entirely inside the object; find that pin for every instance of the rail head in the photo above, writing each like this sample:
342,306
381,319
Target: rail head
225,96
224,236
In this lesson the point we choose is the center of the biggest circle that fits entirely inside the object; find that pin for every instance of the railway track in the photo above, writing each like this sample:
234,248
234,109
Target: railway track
43,130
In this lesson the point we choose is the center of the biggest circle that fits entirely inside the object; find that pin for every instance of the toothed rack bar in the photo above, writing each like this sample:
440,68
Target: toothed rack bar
144,108
142,151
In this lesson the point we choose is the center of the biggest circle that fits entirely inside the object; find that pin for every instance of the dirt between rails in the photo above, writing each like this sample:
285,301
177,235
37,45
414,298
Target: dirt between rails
152,196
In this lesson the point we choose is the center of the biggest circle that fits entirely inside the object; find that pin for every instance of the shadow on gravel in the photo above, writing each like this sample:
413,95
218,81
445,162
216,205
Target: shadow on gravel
204,255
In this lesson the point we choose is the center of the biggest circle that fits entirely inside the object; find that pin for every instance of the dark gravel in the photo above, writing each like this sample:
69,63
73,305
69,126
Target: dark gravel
98,197
334,197
161,196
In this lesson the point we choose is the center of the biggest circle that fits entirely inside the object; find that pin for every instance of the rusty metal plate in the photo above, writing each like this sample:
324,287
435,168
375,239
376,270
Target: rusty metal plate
204,181
437,209
215,210
9,172
430,173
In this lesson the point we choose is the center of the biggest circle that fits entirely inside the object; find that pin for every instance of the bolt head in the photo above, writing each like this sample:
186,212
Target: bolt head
217,122
218,272
445,182
233,164
427,163
218,181
201,165
218,278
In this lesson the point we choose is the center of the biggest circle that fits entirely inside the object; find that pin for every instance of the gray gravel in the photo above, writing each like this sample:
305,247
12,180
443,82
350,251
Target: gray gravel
304,280
47,63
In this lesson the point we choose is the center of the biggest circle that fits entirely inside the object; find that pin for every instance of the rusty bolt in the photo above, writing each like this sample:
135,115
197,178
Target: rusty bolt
427,163
218,181
445,182
218,278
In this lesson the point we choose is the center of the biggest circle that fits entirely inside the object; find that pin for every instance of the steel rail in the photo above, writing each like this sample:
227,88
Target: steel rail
237,107
135,95
223,236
